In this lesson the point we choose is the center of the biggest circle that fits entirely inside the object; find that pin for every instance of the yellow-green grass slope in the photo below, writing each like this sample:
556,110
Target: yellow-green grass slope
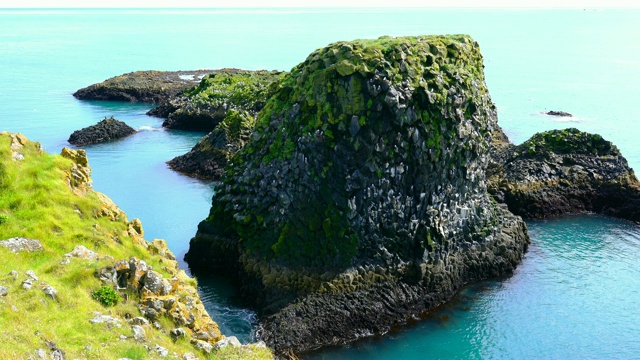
38,202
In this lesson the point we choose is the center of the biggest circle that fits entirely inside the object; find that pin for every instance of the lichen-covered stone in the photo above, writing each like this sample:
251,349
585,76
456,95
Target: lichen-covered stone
109,129
562,172
79,175
19,244
361,201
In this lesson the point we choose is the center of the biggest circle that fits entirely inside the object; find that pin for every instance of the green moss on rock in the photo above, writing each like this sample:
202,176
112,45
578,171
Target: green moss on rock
203,107
364,175
567,141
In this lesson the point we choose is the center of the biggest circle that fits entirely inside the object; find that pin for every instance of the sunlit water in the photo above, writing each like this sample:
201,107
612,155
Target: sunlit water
576,293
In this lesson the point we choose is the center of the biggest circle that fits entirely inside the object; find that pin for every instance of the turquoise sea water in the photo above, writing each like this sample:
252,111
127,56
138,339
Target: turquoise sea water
576,293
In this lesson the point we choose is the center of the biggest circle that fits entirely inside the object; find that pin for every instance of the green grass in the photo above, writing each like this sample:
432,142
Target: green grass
37,202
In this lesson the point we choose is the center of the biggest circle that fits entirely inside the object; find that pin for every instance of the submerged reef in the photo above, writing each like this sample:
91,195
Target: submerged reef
360,201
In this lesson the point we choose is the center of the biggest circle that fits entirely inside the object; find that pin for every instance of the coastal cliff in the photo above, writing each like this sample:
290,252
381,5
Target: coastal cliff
78,280
361,200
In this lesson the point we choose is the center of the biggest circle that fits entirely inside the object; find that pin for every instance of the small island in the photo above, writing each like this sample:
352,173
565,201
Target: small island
109,129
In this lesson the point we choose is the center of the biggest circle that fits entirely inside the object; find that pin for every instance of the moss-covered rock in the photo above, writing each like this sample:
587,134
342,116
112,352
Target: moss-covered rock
562,172
211,154
142,86
203,107
361,200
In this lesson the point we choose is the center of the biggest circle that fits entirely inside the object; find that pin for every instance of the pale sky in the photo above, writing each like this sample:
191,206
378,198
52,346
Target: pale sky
578,4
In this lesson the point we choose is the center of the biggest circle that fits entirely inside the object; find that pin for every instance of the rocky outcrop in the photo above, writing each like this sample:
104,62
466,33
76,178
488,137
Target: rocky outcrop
360,201
211,154
562,172
106,130
19,244
203,107
558,113
142,86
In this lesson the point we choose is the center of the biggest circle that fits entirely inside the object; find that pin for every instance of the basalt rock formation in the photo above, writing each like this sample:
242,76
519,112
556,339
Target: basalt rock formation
361,199
106,130
142,86
203,107
562,172
211,154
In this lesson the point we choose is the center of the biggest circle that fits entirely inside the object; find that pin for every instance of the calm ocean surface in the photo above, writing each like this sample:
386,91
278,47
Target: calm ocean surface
575,296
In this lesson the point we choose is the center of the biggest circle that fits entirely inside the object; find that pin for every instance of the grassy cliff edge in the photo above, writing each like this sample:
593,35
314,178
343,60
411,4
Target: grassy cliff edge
86,284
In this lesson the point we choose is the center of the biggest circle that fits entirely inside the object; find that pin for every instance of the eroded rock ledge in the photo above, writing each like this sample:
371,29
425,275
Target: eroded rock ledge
142,86
361,200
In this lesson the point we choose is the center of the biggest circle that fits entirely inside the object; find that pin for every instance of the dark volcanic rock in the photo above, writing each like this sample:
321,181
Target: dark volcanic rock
210,155
203,107
143,86
564,172
360,201
108,129
558,113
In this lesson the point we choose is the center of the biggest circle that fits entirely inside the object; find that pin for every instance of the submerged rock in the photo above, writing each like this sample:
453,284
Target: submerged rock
562,172
142,86
106,130
558,113
360,201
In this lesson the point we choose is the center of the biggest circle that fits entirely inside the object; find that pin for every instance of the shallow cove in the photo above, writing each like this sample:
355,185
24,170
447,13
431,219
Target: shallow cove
578,61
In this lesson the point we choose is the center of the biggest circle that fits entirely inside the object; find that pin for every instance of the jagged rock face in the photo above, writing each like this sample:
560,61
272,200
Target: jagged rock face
211,154
564,172
203,107
106,130
363,189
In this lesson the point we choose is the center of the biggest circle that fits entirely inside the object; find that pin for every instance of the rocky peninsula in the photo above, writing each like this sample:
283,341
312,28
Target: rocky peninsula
78,279
143,86
109,129
361,201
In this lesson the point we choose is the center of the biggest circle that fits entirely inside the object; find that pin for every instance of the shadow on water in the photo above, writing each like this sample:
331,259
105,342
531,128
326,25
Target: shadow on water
220,297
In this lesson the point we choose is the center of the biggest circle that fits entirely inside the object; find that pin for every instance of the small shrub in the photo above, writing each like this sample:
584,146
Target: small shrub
106,296
3,218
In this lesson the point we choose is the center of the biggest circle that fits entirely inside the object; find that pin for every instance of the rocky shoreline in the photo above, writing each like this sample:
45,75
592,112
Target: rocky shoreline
368,185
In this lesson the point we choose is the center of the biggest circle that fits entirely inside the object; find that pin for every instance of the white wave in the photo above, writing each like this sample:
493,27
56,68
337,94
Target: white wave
149,128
